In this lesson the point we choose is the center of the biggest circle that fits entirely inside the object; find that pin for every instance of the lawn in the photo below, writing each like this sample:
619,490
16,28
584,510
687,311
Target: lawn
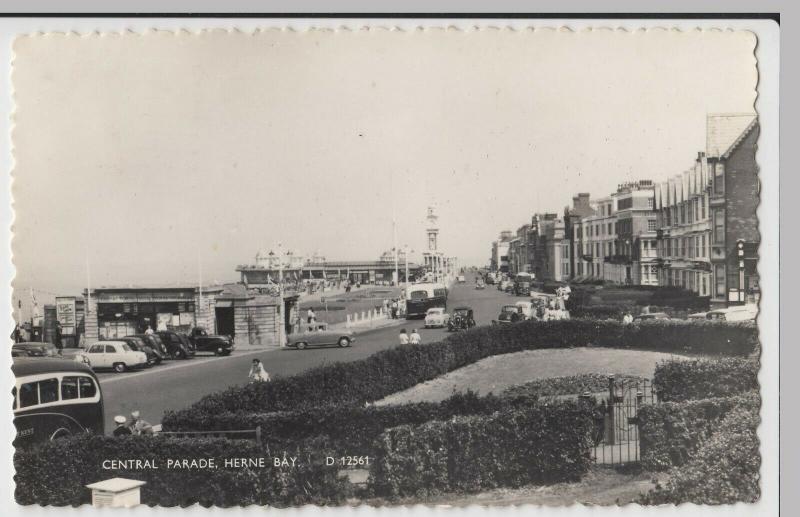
497,373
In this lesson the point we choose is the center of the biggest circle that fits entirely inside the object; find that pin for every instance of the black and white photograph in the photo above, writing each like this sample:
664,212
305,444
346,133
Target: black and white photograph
385,264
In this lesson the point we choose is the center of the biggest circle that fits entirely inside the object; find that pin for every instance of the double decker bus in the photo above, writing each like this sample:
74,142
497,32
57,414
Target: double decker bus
421,297
54,398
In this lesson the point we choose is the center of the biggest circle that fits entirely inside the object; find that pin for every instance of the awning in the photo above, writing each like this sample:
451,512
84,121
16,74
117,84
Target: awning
222,304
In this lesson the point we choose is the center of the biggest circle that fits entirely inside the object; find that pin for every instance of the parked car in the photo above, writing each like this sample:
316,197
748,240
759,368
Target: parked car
462,319
116,355
35,349
527,308
697,316
436,317
155,341
480,284
178,345
461,279
735,313
205,342
320,336
651,316
139,344
509,314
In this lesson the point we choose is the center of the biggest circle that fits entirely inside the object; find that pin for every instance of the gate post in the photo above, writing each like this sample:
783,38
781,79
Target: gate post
610,434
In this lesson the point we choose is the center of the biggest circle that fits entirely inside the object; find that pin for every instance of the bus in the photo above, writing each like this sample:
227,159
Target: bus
54,398
421,297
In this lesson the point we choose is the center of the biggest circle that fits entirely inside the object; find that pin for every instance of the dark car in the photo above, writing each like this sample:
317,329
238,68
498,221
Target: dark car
140,345
178,345
205,342
461,319
35,349
509,314
154,340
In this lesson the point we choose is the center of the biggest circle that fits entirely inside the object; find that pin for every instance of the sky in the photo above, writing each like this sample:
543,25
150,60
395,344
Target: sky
165,157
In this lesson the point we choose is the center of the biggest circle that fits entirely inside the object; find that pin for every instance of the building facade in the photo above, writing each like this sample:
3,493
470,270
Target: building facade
634,260
500,250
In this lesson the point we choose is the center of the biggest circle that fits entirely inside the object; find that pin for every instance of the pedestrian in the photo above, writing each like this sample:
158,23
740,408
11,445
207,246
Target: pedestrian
403,337
394,309
58,343
257,372
627,319
149,331
415,338
121,429
138,425
311,315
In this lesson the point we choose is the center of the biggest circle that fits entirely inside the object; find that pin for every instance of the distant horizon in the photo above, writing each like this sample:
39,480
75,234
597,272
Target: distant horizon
196,151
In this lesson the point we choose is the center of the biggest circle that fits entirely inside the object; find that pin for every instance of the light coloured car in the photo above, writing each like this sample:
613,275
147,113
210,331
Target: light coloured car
436,317
735,313
116,355
320,335
527,309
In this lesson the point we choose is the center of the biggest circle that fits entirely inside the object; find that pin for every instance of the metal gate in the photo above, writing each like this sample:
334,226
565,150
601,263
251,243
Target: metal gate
617,438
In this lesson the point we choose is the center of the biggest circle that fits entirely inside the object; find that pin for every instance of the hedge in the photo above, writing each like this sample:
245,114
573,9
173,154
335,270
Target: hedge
541,444
671,432
724,470
57,473
396,369
568,385
347,430
705,378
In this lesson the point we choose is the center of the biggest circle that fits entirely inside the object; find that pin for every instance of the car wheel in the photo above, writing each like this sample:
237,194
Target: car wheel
344,342
119,367
301,345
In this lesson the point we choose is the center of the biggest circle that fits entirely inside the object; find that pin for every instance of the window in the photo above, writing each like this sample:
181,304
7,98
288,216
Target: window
703,207
28,395
48,391
650,203
704,286
88,389
651,225
69,388
703,245
110,349
696,209
719,178
419,295
719,226
610,230
96,349
719,279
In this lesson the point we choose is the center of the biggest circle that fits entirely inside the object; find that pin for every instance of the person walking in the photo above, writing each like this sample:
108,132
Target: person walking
415,338
257,372
394,309
121,429
403,337
138,425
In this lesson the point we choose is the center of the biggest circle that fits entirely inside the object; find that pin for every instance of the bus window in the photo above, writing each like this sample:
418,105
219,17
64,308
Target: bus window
88,389
48,391
439,293
14,394
69,388
419,295
28,395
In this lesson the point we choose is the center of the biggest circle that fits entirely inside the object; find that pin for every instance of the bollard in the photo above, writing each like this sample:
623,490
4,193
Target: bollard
116,493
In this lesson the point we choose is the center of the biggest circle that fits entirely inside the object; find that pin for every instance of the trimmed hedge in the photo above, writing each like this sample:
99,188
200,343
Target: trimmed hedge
724,470
542,444
670,433
396,369
57,473
704,378
347,430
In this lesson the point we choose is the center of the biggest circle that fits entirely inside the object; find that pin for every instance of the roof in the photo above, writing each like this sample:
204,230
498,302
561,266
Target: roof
33,366
725,130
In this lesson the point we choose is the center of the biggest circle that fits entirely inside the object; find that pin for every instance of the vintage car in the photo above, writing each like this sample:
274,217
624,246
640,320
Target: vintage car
154,340
735,313
461,319
205,342
436,317
509,314
319,335
527,308
139,344
35,349
461,279
480,284
116,355
651,316
178,345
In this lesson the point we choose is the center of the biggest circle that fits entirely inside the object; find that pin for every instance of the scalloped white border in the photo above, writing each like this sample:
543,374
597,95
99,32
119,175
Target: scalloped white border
767,53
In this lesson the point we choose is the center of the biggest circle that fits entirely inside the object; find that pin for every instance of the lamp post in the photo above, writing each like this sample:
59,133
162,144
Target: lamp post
281,305
406,251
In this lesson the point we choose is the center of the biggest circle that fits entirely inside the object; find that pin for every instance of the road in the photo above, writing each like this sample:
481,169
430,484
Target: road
177,384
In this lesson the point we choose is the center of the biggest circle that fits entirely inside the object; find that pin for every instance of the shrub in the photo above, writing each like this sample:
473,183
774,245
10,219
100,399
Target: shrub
57,473
347,430
724,470
541,444
704,378
396,369
671,432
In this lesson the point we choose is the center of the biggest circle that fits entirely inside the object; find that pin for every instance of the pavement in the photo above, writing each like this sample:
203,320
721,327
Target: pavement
177,384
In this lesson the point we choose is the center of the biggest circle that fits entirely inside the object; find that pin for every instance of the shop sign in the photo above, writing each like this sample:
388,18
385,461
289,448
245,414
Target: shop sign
145,297
65,311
